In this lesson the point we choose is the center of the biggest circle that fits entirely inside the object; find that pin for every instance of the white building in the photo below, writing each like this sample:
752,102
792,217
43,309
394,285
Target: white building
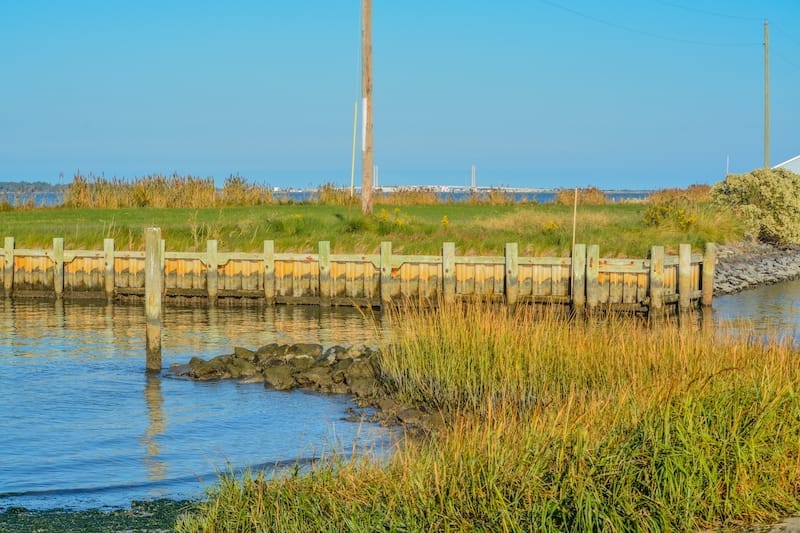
792,164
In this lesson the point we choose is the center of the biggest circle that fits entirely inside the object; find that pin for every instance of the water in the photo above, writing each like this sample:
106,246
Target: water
53,199
764,310
83,426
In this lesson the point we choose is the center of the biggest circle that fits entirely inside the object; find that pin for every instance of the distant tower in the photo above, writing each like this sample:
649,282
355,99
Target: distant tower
474,182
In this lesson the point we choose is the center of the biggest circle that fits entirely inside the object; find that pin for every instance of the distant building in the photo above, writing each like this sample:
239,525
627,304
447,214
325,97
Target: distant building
792,164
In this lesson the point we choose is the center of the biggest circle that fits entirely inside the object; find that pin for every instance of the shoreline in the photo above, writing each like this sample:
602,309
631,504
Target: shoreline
747,265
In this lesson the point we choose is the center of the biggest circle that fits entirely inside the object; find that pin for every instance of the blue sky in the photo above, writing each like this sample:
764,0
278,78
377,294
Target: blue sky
535,93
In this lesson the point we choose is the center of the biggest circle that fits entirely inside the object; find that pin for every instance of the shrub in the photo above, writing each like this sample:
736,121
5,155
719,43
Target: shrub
586,196
767,200
671,211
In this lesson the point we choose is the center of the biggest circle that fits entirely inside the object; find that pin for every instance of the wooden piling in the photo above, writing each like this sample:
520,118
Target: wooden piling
709,268
152,290
512,273
656,280
386,273
578,285
325,273
269,272
58,267
212,264
449,271
685,276
593,276
108,281
8,266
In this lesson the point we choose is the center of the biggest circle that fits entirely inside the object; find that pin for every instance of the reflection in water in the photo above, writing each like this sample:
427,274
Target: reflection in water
766,310
84,426
156,468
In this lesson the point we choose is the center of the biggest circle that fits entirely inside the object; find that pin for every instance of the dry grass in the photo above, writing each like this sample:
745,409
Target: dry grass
556,425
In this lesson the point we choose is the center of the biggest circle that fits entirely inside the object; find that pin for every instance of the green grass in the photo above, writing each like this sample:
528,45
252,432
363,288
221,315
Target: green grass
544,229
555,425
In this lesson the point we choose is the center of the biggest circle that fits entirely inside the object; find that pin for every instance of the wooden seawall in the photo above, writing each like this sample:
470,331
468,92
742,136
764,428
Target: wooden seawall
585,280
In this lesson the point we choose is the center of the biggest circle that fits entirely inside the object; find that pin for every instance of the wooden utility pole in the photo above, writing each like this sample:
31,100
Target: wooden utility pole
366,116
766,94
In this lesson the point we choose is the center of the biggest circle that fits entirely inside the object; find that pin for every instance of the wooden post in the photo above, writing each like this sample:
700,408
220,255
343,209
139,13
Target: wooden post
152,297
58,266
325,273
366,116
212,263
709,268
449,271
108,251
592,276
512,273
578,284
386,273
8,266
685,276
269,272
656,280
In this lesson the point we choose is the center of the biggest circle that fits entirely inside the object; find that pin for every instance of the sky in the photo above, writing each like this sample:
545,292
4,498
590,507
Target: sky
620,94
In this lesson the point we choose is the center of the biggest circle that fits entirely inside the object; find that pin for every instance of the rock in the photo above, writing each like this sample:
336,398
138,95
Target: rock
244,353
279,377
241,368
331,355
318,377
257,378
300,362
339,370
309,349
363,386
749,264
216,368
271,350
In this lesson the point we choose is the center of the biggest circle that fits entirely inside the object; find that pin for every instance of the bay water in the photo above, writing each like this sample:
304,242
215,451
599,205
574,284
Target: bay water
83,426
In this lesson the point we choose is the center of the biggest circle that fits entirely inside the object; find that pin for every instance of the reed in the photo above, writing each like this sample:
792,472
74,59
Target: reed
586,196
555,425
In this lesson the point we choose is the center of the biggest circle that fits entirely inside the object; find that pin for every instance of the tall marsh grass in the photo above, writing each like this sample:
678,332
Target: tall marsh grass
555,425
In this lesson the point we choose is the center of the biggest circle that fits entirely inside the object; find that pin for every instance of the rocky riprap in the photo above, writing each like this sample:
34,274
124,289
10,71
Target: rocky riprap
350,370
745,265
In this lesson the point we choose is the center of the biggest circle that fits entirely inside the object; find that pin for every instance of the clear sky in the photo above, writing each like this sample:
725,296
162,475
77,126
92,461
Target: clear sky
535,93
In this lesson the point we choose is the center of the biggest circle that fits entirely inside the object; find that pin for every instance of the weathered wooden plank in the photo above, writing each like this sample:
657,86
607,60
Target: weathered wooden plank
212,274
709,269
449,271
656,279
512,273
8,266
592,273
268,257
108,268
324,248
386,264
58,267
578,285
685,276
152,289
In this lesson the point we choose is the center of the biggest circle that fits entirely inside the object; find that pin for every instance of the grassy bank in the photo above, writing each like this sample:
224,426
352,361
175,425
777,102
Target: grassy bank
556,425
544,229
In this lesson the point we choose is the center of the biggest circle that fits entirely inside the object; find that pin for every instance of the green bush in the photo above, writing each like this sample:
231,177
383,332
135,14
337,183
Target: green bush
767,200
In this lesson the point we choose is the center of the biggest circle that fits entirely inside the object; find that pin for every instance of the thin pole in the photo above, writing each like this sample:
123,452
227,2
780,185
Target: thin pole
766,94
572,249
353,158
366,93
